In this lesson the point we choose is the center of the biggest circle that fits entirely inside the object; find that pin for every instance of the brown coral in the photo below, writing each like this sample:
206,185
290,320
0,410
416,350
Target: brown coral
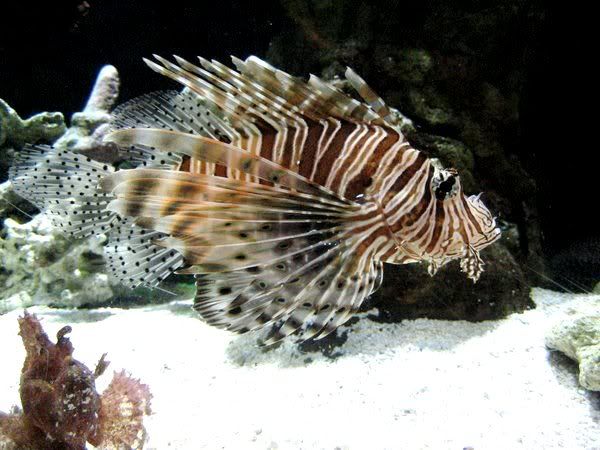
124,404
61,407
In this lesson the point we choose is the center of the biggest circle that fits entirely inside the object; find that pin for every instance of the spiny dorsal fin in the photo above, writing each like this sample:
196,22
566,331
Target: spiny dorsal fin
262,91
374,101
169,110
315,97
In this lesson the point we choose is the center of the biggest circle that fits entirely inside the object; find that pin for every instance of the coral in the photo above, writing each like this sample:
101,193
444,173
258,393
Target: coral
19,300
46,126
42,265
86,130
61,407
124,404
89,126
15,132
577,335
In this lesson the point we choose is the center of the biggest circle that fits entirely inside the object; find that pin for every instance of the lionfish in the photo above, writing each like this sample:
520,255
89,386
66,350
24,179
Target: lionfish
283,197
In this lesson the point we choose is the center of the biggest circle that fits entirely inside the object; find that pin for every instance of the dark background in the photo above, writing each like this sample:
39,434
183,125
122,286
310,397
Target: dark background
50,53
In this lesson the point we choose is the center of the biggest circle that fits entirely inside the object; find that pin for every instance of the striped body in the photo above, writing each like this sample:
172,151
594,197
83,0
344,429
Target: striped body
284,197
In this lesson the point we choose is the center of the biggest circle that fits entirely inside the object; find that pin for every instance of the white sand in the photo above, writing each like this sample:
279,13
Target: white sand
418,384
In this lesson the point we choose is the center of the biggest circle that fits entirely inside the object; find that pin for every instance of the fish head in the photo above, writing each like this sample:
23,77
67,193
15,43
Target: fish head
468,215
487,230
457,226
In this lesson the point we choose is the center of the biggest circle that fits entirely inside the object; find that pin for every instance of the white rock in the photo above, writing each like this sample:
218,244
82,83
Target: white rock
17,301
577,335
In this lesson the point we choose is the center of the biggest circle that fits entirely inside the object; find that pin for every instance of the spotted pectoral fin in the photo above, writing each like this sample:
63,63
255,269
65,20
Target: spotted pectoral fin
310,294
363,284
168,110
265,254
223,225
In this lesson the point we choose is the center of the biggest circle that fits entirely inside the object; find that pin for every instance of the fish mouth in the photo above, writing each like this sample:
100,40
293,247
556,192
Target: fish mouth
487,238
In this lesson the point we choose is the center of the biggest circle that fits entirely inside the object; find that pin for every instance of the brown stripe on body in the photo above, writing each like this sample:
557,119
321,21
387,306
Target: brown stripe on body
333,152
462,228
288,148
421,232
308,153
388,255
200,167
186,164
360,218
403,179
221,170
352,153
393,162
472,218
360,183
425,227
368,240
440,216
415,214
266,148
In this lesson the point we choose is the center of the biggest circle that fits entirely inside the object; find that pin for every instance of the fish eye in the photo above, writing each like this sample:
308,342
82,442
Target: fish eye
446,188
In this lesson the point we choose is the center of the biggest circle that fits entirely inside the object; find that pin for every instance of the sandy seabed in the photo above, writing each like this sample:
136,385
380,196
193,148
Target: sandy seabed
422,384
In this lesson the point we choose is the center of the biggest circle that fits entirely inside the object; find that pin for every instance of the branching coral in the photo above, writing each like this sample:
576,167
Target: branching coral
61,407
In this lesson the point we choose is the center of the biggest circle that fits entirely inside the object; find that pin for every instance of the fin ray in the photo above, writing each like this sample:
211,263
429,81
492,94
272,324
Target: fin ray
209,150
